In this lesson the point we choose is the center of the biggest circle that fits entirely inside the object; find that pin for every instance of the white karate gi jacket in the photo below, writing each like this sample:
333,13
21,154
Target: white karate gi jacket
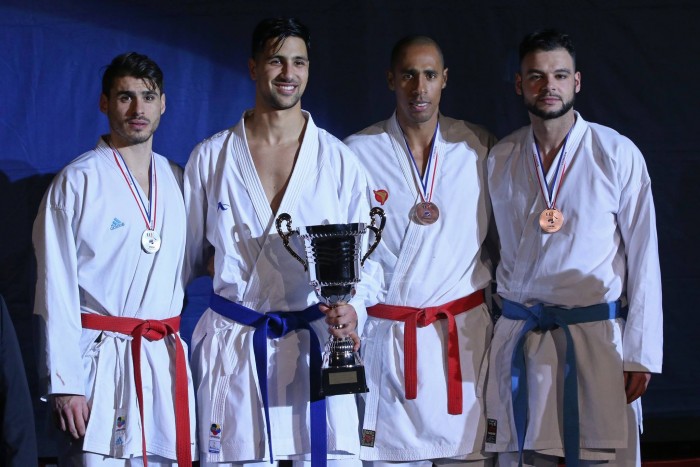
87,238
605,251
427,265
228,209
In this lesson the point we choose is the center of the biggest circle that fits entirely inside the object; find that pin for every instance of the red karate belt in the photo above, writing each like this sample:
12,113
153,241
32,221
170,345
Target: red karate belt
153,330
414,317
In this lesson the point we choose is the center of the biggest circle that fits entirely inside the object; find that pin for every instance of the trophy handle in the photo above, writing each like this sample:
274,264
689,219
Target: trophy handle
376,211
284,217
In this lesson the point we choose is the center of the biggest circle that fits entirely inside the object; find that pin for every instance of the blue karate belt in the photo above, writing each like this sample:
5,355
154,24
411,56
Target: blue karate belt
273,325
548,318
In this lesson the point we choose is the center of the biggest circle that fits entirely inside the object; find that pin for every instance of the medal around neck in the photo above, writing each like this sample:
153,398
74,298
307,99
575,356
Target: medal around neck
551,220
334,263
426,213
150,241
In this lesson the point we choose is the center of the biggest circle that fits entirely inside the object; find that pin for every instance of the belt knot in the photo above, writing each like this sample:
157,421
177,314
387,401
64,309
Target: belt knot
429,315
546,318
279,323
152,330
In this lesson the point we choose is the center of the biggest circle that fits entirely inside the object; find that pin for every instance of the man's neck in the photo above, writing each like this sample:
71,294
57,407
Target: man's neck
275,127
419,135
550,135
136,156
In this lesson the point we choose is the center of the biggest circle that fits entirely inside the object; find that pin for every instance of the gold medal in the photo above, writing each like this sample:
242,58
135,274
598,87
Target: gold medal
551,220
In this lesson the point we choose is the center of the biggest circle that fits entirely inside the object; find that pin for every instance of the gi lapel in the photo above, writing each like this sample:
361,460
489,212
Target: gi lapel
305,168
532,239
304,172
414,232
134,297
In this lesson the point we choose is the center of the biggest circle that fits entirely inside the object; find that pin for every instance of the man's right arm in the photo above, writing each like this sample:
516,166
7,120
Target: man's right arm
57,301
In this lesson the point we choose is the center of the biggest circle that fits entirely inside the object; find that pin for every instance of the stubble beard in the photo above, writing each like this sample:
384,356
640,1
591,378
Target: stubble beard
282,102
278,103
135,138
549,115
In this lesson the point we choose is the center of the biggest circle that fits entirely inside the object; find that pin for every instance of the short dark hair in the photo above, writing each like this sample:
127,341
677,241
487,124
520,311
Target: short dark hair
278,29
546,40
135,65
408,41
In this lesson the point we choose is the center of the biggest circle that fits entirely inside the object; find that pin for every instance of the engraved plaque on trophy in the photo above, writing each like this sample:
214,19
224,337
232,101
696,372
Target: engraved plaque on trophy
334,264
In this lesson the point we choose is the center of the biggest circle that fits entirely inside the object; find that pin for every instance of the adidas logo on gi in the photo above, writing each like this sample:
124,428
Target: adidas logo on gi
116,223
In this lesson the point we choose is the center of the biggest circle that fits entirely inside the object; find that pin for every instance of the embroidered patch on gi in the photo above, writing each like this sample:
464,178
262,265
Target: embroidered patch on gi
368,438
116,223
222,206
215,438
381,196
491,430
120,430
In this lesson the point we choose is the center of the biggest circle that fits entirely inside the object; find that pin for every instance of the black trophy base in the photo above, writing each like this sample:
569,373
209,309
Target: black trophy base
343,380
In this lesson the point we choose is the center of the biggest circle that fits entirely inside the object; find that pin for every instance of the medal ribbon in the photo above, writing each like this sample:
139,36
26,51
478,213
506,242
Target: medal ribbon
550,201
424,181
152,205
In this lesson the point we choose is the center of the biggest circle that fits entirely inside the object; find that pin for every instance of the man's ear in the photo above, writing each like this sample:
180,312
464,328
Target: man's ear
518,84
251,69
390,80
104,103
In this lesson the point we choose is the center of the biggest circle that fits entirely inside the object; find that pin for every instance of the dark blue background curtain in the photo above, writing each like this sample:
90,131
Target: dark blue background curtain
638,59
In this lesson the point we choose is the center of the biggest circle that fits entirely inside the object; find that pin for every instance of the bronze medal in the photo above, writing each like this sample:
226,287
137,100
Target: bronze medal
551,220
426,213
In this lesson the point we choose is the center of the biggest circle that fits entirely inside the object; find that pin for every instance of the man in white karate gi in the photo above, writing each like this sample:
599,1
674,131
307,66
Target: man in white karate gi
256,349
581,330
425,344
110,242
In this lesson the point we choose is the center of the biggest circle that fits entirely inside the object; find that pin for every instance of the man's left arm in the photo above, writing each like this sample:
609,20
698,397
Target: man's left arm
643,334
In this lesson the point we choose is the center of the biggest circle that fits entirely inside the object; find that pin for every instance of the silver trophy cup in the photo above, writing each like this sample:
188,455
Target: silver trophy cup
334,264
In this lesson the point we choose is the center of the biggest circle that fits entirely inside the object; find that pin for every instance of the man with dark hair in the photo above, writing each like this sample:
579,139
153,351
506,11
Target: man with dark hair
277,29
579,277
255,348
425,343
115,368
136,66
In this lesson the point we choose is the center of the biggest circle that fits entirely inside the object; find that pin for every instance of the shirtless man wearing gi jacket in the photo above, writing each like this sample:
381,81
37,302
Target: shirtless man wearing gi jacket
257,397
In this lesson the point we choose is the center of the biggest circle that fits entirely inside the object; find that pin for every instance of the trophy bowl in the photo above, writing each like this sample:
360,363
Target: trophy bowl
334,265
